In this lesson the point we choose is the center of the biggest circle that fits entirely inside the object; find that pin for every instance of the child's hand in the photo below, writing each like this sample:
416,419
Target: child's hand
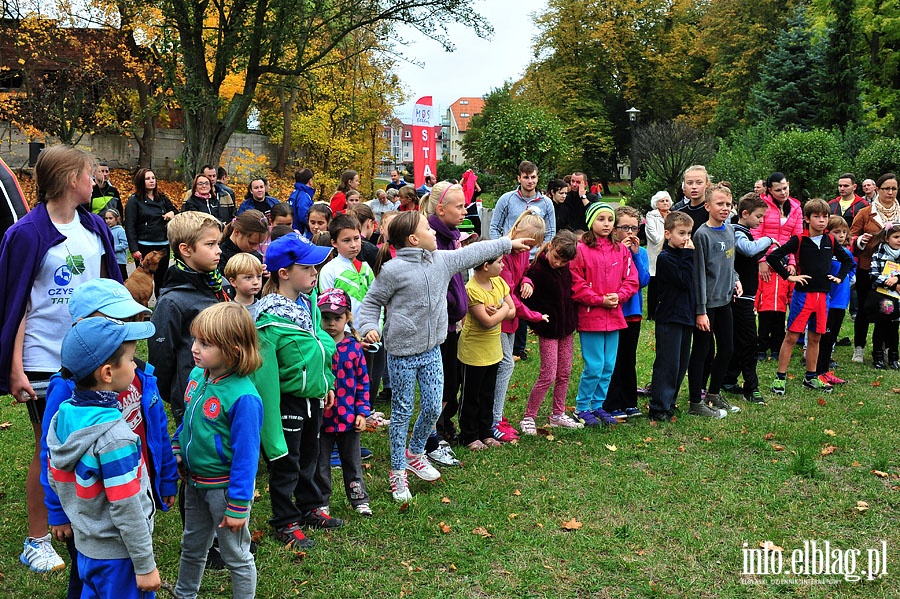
373,336
61,532
545,317
765,271
799,279
703,322
491,309
791,268
329,399
689,244
169,501
182,469
234,524
738,289
149,581
891,281
168,215
834,279
610,300
523,245
525,290
360,424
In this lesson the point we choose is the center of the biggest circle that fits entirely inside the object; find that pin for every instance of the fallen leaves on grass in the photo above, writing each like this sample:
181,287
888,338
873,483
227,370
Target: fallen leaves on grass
452,567
572,524
828,449
876,383
445,500
769,436
707,439
896,389
611,447
769,546
512,516
830,432
545,433
821,401
681,448
5,425
517,492
648,439
880,474
482,532
777,447
257,535
444,527
404,507
862,506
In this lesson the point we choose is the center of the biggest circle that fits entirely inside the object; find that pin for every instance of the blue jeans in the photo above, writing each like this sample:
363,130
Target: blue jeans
428,369
504,374
598,348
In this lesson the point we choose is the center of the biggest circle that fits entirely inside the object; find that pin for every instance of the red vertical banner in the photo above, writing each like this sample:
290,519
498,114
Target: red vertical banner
424,155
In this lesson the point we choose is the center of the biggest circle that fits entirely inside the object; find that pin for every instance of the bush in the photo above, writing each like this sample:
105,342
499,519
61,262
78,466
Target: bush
811,161
879,157
739,164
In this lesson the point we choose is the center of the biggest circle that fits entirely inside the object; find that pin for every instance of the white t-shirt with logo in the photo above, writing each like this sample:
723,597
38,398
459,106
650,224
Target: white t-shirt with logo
65,266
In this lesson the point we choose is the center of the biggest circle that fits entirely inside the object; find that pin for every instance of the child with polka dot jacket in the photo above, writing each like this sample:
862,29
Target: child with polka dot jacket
343,422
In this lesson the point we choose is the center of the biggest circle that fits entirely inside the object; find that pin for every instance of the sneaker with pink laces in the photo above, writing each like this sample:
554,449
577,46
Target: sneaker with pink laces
421,467
831,379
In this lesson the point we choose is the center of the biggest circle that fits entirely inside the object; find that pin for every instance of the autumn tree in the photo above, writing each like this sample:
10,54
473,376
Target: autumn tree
272,37
513,132
664,150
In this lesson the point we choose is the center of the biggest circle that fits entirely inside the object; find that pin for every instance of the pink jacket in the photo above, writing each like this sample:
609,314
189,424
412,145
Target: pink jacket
771,226
514,267
596,271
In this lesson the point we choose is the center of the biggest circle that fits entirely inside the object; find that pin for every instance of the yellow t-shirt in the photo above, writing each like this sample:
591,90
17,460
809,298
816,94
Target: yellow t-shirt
479,346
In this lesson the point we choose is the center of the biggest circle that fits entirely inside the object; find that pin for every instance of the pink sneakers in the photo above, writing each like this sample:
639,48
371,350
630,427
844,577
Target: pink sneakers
504,432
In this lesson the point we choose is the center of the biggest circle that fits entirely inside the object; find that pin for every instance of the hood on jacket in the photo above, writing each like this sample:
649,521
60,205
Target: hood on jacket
70,436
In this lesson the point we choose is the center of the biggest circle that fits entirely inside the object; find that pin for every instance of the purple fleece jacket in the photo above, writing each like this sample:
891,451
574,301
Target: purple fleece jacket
457,298
23,249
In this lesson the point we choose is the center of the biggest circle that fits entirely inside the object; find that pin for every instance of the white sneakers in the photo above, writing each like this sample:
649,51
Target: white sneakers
400,486
39,555
857,355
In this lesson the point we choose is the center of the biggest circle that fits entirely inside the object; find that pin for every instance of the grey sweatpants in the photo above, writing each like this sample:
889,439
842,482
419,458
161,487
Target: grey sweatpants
204,510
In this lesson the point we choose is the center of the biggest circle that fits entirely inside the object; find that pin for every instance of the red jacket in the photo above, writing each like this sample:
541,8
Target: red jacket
596,271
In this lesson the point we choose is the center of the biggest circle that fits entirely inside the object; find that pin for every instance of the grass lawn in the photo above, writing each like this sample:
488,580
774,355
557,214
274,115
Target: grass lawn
664,511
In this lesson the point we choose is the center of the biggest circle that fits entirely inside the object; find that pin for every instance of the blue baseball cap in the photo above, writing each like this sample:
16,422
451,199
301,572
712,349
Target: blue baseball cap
91,341
293,248
106,296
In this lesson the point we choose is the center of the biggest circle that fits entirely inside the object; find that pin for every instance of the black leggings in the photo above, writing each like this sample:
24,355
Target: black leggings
861,324
771,332
826,345
721,326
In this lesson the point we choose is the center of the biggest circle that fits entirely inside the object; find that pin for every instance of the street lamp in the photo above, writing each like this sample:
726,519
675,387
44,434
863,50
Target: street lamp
632,117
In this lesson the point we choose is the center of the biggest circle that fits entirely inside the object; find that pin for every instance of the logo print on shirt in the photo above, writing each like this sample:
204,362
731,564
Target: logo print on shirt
212,407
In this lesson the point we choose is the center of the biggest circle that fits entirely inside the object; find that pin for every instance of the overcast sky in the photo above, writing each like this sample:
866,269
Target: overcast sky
477,65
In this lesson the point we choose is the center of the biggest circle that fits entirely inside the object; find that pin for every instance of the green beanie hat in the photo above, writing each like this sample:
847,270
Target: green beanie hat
595,209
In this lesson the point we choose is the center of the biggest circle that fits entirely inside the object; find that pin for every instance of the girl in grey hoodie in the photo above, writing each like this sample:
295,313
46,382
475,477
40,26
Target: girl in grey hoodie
413,290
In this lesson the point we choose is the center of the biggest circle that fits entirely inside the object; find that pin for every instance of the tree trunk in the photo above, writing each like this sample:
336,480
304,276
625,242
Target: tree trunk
287,112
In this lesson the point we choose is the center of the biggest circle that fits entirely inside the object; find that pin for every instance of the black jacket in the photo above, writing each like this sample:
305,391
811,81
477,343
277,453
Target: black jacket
212,206
675,281
144,220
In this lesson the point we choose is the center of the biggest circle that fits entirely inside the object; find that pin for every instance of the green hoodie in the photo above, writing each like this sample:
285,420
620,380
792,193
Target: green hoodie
296,362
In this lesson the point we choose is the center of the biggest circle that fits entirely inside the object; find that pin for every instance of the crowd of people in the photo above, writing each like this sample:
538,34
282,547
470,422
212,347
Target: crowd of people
278,324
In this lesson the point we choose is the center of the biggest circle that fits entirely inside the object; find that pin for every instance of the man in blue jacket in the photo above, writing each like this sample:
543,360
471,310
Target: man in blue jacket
301,199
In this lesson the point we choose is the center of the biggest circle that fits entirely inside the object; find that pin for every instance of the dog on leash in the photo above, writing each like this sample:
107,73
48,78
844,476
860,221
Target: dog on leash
140,283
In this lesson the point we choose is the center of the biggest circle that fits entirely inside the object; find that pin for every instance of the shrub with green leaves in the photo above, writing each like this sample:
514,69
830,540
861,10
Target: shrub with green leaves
877,158
811,161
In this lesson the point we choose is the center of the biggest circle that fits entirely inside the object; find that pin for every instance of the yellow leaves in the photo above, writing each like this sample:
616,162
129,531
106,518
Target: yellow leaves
880,474
445,500
572,524
830,432
611,447
5,425
517,493
862,506
482,532
777,447
828,450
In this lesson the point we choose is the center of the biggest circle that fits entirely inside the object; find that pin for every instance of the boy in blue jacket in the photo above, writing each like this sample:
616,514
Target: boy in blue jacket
140,406
97,464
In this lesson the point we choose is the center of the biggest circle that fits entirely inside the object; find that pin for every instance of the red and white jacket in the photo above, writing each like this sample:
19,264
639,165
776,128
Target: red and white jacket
596,271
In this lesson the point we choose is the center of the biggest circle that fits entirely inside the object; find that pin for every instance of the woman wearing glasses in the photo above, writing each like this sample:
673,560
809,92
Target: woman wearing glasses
147,215
867,223
204,199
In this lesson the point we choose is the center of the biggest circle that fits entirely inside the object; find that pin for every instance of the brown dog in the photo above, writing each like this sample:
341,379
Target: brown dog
140,283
